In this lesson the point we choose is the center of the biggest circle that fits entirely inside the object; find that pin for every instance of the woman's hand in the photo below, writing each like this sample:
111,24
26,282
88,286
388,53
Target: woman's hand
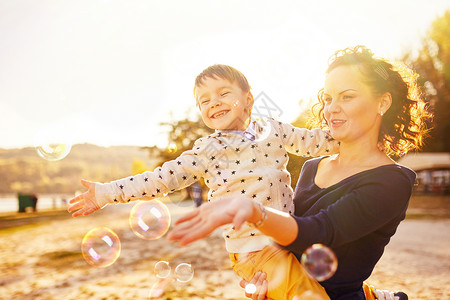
260,286
202,221
84,204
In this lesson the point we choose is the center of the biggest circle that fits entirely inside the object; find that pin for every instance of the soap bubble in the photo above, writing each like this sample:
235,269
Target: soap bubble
52,142
162,269
53,152
184,272
250,288
172,148
100,247
150,220
319,261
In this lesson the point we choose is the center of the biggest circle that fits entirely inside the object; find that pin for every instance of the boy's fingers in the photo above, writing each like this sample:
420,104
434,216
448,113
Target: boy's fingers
77,213
86,183
260,293
76,206
77,198
243,283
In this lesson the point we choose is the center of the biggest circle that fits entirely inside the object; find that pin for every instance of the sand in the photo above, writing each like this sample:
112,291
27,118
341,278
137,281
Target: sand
44,261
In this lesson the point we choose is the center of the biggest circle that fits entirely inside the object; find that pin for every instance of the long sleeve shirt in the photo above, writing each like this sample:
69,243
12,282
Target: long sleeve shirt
232,165
355,217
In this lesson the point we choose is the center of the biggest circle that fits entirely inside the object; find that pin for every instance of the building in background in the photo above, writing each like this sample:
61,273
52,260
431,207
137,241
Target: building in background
433,171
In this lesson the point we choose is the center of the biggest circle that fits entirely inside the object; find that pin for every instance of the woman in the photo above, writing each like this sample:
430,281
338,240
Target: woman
351,202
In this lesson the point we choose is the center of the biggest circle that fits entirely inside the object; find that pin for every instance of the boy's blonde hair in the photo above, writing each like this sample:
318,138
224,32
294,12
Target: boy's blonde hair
224,72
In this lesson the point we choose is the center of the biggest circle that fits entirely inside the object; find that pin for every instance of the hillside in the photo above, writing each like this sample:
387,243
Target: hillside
23,170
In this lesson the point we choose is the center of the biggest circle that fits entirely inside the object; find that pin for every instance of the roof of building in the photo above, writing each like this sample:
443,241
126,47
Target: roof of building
426,160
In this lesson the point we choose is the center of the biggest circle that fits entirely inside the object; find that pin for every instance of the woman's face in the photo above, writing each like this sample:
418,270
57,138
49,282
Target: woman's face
350,110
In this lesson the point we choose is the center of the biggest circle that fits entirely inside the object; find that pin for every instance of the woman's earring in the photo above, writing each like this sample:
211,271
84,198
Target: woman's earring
381,113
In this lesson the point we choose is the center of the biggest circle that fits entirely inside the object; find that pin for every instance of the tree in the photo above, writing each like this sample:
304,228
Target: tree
296,162
432,63
182,135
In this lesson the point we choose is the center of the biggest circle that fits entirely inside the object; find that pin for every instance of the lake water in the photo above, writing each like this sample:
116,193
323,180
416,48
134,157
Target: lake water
9,203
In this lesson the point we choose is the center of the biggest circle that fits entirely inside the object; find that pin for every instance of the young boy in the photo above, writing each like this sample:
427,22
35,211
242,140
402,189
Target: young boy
242,158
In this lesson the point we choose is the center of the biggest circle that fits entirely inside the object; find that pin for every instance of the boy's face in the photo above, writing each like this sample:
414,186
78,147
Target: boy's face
224,105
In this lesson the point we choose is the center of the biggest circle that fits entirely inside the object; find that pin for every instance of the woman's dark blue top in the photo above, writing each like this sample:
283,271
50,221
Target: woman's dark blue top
355,217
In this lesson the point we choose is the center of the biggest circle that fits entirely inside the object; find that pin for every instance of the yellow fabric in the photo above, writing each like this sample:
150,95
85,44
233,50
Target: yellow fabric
368,292
285,275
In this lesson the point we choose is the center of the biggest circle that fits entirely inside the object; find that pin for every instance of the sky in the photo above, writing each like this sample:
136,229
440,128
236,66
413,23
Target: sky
108,72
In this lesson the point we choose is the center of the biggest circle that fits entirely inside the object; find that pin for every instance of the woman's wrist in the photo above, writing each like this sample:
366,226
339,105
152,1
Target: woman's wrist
259,215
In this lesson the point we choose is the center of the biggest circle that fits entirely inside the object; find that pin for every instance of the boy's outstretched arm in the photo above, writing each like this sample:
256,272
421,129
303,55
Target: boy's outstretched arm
84,204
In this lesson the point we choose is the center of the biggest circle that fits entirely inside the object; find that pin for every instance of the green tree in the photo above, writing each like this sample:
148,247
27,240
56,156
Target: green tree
296,162
432,63
182,135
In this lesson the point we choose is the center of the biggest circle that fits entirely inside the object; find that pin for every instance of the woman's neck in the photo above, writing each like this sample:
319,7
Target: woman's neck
361,155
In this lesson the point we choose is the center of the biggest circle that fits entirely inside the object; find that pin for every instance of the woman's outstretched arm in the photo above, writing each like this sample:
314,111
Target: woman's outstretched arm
198,224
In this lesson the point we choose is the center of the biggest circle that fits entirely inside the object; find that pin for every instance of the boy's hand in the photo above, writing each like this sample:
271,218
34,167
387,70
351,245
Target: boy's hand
84,204
261,285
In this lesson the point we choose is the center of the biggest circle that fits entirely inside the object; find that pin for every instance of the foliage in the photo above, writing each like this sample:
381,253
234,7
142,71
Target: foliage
22,170
432,62
295,163
182,135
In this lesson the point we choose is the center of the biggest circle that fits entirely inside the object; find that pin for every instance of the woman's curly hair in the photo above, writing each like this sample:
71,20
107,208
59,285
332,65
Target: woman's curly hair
403,126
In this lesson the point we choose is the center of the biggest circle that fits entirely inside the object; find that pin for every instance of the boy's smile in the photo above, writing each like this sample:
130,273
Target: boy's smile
224,105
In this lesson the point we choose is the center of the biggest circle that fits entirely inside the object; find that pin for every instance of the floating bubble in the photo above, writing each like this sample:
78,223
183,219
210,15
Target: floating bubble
319,261
184,272
52,143
162,269
150,220
250,288
100,247
53,152
172,148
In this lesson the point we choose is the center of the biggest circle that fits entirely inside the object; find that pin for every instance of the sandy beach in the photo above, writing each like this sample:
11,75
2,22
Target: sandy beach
43,260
